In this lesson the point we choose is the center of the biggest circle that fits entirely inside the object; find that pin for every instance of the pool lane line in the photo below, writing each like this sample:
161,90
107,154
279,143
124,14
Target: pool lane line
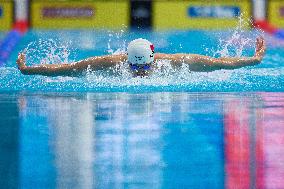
10,41
269,28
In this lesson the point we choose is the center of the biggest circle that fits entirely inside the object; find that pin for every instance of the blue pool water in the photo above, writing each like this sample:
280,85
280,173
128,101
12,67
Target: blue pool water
175,129
149,140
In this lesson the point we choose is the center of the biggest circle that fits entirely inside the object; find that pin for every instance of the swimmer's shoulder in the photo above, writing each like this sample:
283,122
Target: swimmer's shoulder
120,57
177,56
163,56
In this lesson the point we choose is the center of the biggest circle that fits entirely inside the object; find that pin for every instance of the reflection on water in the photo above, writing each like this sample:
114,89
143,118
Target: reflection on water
151,140
72,128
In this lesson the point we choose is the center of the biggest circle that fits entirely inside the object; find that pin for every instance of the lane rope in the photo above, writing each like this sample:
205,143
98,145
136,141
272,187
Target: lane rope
11,40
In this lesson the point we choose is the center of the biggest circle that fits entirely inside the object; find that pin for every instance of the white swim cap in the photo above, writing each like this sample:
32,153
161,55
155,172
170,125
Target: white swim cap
140,51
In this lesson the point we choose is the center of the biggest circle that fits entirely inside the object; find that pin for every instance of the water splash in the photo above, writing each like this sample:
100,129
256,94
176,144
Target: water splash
239,39
116,43
165,78
49,52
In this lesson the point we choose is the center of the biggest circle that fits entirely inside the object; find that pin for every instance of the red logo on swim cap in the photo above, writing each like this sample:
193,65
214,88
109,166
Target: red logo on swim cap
152,47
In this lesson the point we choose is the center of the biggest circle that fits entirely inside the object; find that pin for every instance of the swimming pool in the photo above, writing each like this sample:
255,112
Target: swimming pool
176,129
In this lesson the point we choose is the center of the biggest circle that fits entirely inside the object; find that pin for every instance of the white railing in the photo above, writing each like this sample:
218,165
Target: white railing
259,9
21,10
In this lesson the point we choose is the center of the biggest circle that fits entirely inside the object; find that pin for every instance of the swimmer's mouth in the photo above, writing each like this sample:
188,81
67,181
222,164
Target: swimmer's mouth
137,67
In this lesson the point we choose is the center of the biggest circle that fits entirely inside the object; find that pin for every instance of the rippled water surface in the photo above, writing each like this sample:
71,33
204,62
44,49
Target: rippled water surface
149,140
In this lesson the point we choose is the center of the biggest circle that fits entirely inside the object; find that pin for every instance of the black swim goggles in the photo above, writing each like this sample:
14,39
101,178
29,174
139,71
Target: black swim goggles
140,66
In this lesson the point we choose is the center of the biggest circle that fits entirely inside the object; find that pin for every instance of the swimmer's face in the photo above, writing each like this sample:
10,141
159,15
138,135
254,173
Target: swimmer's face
140,69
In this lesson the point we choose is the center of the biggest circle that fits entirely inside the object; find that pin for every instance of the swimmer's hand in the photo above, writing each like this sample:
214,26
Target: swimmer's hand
21,62
260,49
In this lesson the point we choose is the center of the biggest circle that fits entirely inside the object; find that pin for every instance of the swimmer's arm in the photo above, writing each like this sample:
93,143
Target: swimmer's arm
71,69
206,63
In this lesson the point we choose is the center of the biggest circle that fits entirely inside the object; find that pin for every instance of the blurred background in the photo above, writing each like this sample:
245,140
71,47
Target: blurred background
136,14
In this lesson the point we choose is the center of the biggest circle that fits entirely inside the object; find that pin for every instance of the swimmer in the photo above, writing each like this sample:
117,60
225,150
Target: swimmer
142,60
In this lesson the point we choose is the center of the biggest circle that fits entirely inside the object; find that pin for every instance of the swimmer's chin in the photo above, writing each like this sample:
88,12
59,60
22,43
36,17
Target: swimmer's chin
141,74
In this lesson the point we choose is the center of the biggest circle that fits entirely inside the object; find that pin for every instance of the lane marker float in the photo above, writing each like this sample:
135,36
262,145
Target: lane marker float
269,28
10,41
